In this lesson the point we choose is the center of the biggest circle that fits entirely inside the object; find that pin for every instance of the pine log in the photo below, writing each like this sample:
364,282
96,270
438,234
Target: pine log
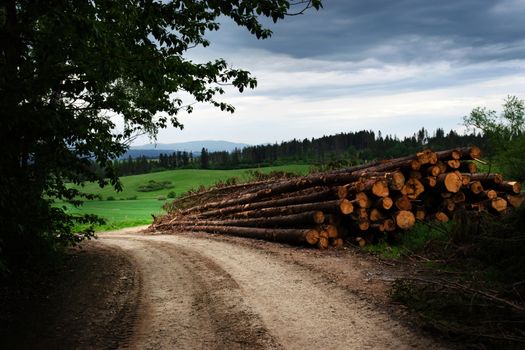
337,243
332,219
404,219
335,206
377,226
509,187
415,175
389,225
402,202
515,200
468,167
470,152
433,170
450,182
496,205
413,188
453,164
420,212
331,230
384,203
475,187
442,167
459,197
448,205
449,154
487,178
376,215
363,225
440,216
323,243
363,199
377,187
295,236
465,179
429,181
487,194
360,241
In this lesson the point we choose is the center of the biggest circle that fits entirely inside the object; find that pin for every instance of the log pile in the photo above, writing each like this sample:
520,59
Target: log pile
361,204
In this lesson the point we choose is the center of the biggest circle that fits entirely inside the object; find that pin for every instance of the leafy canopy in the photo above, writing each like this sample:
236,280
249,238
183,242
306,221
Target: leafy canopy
506,133
67,67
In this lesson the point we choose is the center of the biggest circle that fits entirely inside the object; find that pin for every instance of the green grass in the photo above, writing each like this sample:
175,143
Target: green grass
123,212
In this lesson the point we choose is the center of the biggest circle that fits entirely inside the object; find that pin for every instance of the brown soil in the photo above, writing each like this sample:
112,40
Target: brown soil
201,291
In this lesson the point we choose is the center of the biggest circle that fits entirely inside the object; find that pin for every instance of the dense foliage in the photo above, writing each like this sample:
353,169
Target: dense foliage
70,69
506,134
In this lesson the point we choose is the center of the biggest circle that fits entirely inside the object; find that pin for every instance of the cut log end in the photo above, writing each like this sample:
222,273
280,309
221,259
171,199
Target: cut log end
323,243
312,237
452,182
405,219
346,206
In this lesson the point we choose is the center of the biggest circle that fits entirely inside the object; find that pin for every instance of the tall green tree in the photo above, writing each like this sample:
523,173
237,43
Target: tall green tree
506,133
67,67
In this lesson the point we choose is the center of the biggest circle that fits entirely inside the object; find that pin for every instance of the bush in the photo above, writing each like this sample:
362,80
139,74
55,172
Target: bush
110,198
161,197
172,194
153,185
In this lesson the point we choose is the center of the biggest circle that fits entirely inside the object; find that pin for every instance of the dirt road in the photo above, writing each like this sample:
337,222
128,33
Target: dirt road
197,292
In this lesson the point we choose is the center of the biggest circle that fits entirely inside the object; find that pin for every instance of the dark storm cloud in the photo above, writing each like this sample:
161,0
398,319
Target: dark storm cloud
396,31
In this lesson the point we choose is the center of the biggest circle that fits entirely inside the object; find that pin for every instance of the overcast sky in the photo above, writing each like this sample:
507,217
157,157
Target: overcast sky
394,66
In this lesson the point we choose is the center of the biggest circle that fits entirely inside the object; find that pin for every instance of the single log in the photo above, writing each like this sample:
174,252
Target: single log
360,214
413,188
420,212
402,202
332,231
440,216
323,233
384,203
323,243
509,187
415,175
453,164
389,225
404,219
475,187
459,197
448,205
515,200
468,167
362,197
360,241
465,179
449,154
380,227
360,202
450,182
293,220
496,205
363,225
433,170
442,167
487,178
295,236
429,181
337,243
487,194
470,152
376,215
335,206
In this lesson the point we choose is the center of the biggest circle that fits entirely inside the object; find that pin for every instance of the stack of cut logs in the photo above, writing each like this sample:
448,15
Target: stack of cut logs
361,204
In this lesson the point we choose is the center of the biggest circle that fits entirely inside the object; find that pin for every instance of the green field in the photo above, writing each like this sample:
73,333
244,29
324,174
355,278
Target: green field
123,212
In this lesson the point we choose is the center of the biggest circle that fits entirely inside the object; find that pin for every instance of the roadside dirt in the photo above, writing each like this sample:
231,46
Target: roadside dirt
201,291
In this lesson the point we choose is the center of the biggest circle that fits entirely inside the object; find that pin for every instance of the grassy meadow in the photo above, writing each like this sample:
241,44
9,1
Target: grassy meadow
131,207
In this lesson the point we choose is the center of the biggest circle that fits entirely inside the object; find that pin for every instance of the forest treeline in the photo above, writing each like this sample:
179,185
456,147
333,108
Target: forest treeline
343,148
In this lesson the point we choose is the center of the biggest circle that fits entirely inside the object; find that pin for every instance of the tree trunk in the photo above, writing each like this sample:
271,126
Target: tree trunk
342,206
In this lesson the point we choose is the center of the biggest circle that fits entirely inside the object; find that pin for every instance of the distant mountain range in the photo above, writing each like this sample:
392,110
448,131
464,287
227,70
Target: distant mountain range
195,147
